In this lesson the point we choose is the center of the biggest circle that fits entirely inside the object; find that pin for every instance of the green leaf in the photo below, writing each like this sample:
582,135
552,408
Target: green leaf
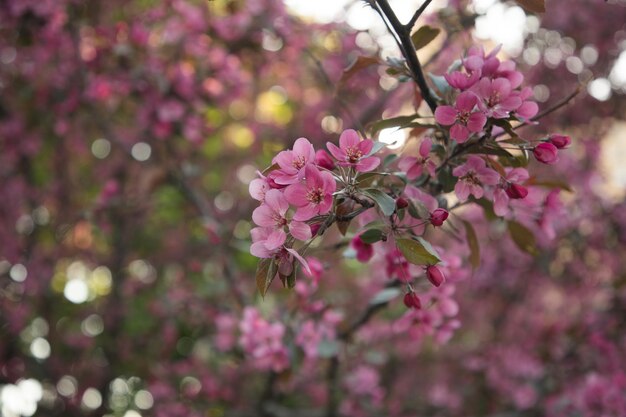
472,241
377,147
523,237
447,180
385,202
289,281
552,183
384,296
423,36
265,273
389,159
344,208
271,168
398,121
418,252
371,236
534,6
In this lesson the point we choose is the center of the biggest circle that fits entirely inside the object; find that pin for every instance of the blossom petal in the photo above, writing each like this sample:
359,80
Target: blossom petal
335,151
459,133
466,101
276,201
349,139
300,230
296,195
306,212
302,147
367,164
264,216
300,259
476,121
445,115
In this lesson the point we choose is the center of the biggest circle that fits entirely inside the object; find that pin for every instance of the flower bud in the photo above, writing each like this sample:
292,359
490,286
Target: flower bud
323,160
546,153
364,251
516,191
560,141
411,300
434,275
402,202
438,216
315,228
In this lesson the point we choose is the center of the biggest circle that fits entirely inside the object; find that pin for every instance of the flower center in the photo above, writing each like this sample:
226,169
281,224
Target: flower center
353,154
279,220
298,162
471,178
315,195
494,99
463,117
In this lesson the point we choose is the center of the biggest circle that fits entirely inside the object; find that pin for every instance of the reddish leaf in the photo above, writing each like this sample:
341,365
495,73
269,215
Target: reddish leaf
359,64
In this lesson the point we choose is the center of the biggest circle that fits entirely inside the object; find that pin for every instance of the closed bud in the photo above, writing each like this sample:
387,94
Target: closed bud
401,202
560,141
411,300
434,275
438,216
315,228
516,191
323,160
546,153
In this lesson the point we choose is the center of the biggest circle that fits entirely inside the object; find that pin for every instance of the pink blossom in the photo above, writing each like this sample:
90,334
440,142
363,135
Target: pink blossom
314,196
438,216
546,153
496,99
507,70
411,300
354,152
323,160
272,213
268,242
477,60
462,80
414,166
364,251
462,117
263,341
472,176
560,141
293,162
528,108
434,275
510,188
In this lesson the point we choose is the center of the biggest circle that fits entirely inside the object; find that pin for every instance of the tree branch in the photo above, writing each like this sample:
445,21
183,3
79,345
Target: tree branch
408,50
417,14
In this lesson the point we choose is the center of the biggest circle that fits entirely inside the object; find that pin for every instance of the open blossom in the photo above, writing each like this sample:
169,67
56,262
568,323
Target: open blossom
293,162
354,152
478,60
314,196
510,188
462,80
263,341
473,175
273,214
496,99
268,242
414,166
528,108
463,117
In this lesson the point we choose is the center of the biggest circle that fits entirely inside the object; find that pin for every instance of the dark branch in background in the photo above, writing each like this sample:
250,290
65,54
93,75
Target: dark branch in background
403,32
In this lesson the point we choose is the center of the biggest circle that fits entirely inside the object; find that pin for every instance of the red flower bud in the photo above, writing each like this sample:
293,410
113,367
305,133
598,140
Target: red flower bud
560,141
401,202
546,153
438,216
315,228
516,191
434,275
364,251
411,300
323,160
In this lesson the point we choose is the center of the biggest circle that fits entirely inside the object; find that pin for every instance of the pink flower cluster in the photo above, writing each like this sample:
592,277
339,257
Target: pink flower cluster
263,341
488,89
299,189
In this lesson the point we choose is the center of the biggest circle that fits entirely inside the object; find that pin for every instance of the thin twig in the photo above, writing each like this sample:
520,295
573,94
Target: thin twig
417,14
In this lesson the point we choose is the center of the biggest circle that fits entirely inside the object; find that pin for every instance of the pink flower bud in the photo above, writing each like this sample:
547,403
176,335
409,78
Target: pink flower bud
411,300
560,141
315,228
364,251
438,216
434,275
546,153
323,160
516,191
401,202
